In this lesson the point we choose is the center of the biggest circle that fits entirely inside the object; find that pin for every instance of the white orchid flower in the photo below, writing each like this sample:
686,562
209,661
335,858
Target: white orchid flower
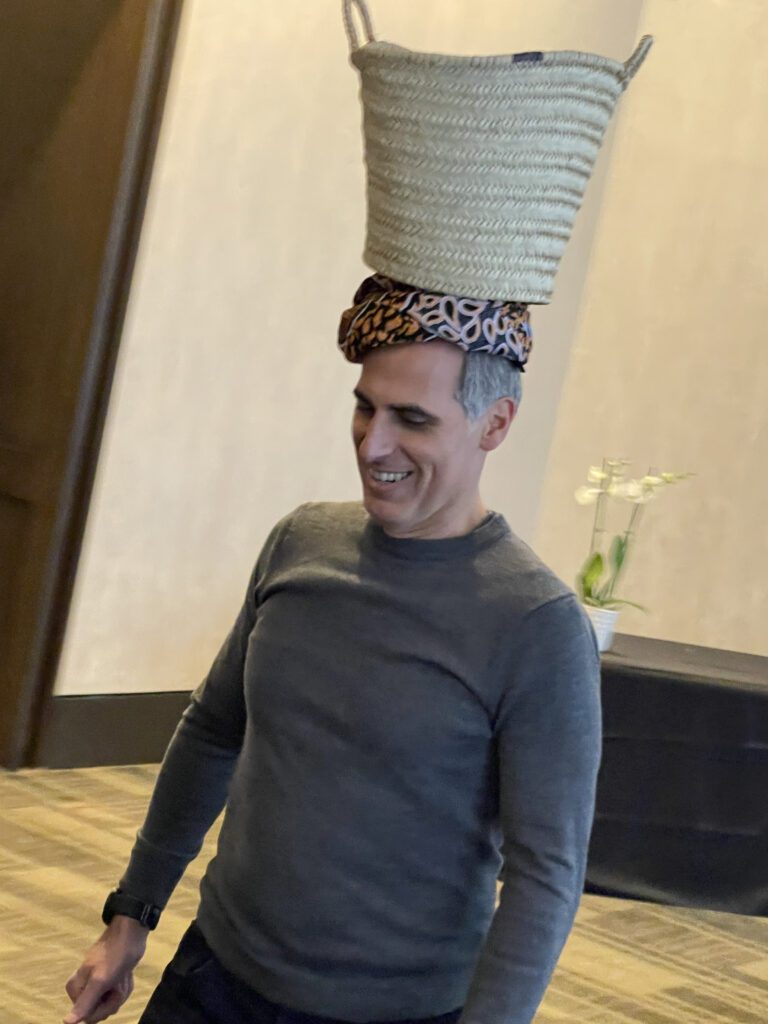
617,490
605,563
673,478
631,490
587,495
639,493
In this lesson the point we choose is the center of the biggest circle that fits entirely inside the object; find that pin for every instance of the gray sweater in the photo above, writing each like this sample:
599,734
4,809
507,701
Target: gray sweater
393,724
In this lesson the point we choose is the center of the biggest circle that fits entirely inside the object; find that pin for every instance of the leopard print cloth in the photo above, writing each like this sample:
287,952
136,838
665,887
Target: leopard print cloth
386,312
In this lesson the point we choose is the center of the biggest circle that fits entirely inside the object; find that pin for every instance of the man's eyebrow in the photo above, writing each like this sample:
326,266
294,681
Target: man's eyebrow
416,410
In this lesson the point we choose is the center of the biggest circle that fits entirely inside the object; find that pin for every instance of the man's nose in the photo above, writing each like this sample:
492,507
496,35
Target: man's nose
378,439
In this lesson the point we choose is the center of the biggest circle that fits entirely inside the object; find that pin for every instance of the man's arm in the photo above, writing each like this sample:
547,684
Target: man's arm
189,794
191,788
548,731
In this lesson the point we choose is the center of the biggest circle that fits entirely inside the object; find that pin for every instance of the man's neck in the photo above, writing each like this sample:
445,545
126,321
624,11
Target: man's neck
458,524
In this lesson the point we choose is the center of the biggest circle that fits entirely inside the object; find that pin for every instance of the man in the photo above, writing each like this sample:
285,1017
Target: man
406,707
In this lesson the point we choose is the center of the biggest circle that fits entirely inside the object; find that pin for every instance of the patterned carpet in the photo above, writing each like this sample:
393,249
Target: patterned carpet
64,837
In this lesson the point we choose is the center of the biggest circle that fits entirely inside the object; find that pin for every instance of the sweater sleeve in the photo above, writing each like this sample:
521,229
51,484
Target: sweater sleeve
548,734
191,787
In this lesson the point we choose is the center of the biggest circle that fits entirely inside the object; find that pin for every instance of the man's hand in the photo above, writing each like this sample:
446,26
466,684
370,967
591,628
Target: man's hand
103,982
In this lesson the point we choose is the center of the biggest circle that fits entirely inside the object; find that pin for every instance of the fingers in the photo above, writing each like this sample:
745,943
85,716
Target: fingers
77,982
86,1001
75,987
96,1002
104,981
110,1003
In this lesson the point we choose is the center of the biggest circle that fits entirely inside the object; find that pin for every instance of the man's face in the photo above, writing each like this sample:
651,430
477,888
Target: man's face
419,456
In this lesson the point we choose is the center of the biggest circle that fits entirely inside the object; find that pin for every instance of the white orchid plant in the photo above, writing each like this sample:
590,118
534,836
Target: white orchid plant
600,574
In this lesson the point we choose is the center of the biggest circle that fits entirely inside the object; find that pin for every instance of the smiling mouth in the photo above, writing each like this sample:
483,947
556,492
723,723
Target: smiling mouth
381,477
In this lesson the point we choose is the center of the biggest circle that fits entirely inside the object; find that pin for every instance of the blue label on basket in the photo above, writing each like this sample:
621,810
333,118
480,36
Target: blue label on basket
518,58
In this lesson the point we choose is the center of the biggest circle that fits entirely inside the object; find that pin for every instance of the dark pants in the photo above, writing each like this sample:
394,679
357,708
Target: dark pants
196,989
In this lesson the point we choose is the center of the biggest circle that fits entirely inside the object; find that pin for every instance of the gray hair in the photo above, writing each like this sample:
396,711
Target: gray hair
484,379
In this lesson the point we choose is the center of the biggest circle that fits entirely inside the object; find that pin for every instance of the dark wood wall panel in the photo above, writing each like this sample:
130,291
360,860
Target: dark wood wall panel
42,43
14,516
88,84
124,728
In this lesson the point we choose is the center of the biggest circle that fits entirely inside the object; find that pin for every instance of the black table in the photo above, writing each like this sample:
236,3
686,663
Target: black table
682,803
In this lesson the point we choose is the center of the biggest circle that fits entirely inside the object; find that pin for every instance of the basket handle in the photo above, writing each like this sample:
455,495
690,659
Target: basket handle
349,25
632,65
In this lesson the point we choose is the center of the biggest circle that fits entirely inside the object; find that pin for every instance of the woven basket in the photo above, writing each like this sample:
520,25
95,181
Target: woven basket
477,166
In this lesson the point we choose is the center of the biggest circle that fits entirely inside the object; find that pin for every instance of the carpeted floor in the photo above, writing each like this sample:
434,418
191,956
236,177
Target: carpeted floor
64,837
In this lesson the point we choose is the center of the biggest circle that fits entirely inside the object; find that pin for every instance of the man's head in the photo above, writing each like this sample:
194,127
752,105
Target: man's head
426,417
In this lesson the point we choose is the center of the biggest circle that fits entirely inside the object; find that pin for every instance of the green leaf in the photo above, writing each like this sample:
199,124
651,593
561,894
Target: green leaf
590,574
603,592
618,552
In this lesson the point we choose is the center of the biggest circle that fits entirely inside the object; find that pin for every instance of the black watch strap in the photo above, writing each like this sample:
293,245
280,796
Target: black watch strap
119,902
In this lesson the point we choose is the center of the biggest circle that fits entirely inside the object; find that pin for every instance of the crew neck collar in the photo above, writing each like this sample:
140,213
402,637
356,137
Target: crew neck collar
492,528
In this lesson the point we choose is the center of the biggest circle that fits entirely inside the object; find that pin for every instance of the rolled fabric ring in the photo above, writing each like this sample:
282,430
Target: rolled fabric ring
385,313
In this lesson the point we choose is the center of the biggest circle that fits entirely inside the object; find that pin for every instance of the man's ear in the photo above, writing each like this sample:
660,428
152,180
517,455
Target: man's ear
498,420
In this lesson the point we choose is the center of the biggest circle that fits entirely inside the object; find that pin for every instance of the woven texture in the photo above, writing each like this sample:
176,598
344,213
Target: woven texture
477,166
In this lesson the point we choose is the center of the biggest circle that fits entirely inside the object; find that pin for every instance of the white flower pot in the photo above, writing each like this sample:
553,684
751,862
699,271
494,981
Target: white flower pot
604,623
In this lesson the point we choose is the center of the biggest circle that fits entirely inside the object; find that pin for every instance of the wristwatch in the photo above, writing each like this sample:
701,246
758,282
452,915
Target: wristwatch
119,902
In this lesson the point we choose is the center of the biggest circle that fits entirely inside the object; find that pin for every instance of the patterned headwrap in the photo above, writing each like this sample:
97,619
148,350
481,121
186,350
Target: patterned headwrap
386,312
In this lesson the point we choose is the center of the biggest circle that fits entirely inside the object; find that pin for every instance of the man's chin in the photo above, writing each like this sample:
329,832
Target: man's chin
384,513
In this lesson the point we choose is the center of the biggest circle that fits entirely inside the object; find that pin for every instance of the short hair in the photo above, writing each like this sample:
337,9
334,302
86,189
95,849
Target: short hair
484,379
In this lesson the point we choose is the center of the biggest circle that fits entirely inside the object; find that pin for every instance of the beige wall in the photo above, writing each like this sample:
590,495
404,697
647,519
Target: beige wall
670,365
231,405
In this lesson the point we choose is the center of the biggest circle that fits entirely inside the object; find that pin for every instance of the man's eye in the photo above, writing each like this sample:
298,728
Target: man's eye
413,421
364,409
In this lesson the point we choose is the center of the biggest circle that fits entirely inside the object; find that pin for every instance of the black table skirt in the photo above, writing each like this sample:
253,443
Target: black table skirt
682,803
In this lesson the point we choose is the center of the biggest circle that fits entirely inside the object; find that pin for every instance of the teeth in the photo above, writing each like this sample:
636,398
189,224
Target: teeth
388,478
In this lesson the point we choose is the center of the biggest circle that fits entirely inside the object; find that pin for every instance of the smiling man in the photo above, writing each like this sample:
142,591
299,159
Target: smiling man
419,456
405,710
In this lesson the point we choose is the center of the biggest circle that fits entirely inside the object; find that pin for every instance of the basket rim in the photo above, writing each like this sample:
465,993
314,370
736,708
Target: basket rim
380,50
